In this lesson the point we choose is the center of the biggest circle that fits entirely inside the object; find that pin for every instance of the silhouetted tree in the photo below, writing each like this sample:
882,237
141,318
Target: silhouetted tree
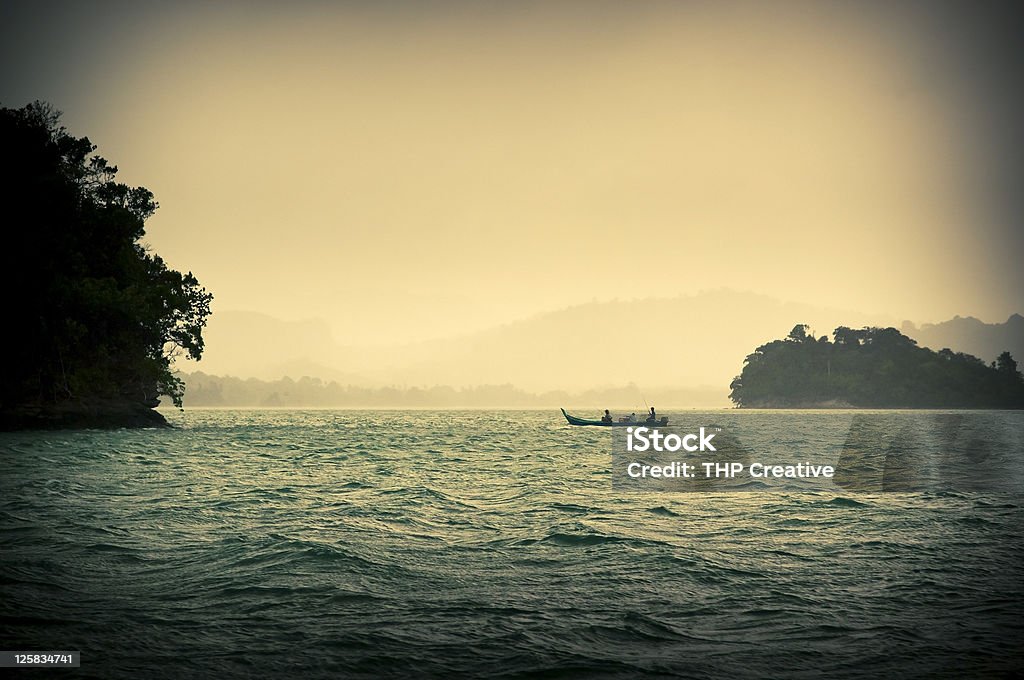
847,336
90,314
799,332
1006,364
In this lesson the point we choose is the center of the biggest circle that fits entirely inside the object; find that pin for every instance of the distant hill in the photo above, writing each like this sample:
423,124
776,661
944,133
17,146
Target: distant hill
685,342
967,334
254,345
680,342
685,349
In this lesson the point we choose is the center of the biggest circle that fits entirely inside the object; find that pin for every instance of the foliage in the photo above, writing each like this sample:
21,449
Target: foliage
873,368
91,314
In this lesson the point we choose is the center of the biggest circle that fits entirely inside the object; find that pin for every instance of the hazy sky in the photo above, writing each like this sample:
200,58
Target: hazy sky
413,169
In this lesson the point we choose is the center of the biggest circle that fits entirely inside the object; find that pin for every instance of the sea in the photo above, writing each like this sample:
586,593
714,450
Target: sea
398,544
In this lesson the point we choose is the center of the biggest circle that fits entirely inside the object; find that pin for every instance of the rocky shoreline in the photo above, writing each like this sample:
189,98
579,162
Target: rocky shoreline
80,415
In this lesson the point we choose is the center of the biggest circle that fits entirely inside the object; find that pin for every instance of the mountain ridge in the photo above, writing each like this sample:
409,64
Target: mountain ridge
698,339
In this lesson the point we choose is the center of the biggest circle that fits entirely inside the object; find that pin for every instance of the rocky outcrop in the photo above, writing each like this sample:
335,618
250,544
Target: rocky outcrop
73,415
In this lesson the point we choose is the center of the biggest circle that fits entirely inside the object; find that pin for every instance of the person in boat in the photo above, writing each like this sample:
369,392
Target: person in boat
653,417
607,417
632,417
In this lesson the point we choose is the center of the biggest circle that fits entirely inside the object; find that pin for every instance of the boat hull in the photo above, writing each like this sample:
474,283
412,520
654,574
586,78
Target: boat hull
573,420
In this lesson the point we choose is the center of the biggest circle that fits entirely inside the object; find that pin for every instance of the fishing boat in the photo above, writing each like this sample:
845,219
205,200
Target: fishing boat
573,420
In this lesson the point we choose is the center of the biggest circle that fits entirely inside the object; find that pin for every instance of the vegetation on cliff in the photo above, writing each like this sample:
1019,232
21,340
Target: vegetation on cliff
92,319
872,368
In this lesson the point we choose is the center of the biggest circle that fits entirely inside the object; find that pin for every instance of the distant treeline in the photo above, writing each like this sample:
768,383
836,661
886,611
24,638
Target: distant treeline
202,389
872,368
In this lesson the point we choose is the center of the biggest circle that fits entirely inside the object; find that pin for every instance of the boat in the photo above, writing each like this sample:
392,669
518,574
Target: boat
573,420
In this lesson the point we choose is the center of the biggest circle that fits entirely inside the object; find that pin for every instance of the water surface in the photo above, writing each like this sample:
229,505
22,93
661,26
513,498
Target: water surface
390,544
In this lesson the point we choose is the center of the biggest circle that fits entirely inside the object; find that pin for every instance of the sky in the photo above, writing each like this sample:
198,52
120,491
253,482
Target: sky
412,170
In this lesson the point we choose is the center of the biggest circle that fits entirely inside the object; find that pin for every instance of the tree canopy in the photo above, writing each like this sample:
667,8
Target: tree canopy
91,313
872,368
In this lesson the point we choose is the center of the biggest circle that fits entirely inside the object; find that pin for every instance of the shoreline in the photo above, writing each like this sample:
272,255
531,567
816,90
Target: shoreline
103,414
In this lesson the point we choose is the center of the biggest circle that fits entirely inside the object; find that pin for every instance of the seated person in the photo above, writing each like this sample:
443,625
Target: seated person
607,417
653,417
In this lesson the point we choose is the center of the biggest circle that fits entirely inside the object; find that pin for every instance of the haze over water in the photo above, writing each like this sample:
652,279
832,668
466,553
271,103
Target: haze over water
406,171
397,544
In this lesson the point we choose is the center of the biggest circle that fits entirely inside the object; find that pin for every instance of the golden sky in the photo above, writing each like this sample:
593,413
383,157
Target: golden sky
412,170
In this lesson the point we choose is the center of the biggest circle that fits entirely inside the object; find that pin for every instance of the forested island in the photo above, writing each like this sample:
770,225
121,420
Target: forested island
92,318
872,368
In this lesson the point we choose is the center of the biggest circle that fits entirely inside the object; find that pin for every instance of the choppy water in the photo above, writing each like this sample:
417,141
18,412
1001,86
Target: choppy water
397,544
